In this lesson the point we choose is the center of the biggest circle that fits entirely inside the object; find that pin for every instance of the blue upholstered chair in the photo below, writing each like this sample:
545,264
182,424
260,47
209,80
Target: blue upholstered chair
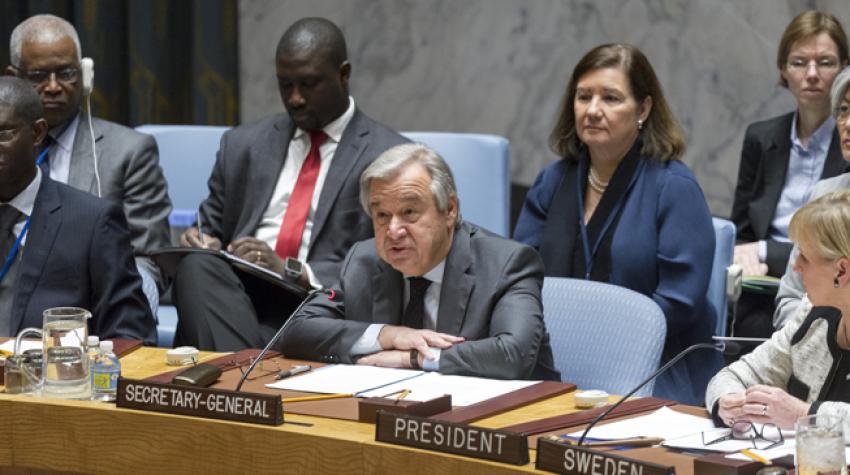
482,170
724,251
187,155
603,336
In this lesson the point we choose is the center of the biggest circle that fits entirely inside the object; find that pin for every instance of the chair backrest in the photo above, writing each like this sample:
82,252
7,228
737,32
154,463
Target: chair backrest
603,336
481,168
187,156
724,251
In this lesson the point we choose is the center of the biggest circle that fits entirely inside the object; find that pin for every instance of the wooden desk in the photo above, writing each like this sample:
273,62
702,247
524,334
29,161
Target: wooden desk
94,437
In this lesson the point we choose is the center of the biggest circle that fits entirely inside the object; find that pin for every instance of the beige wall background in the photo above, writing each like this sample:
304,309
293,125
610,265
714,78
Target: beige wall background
500,66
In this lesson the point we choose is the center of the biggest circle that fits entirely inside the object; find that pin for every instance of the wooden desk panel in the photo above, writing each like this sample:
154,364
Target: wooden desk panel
96,437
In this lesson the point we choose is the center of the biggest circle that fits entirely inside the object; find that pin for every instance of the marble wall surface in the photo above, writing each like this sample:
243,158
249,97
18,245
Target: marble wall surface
500,66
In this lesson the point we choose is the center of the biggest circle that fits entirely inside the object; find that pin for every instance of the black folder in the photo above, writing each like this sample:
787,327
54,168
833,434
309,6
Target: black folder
251,274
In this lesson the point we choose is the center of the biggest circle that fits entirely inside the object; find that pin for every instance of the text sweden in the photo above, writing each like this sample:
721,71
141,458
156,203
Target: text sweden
597,464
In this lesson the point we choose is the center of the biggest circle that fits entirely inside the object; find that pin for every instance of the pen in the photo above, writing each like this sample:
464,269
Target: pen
758,458
293,371
316,398
402,395
200,232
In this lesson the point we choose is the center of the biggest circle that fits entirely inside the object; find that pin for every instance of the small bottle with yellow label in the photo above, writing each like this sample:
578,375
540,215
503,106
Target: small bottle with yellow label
105,373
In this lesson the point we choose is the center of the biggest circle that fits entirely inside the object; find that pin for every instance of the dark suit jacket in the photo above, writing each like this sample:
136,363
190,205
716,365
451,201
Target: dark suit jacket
761,177
130,175
78,254
490,296
248,167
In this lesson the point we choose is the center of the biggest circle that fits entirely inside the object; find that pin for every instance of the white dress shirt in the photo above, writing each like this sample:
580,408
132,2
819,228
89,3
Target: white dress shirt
24,202
805,166
368,342
61,151
296,155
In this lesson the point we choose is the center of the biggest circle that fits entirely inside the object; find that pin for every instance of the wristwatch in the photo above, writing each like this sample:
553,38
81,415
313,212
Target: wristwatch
292,269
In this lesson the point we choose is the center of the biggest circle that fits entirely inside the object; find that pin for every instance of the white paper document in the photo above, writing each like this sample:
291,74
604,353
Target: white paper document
664,423
9,345
465,390
372,381
344,379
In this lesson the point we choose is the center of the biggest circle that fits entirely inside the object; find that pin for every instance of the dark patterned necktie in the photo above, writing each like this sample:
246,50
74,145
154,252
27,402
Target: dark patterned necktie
9,215
414,314
45,164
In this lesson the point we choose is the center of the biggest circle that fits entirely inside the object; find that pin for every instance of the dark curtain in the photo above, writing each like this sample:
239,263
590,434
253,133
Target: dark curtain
155,61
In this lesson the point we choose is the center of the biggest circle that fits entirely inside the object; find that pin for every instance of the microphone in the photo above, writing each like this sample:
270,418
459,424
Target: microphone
329,292
719,346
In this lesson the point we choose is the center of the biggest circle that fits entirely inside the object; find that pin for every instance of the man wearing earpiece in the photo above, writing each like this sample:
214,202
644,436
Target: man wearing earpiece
93,155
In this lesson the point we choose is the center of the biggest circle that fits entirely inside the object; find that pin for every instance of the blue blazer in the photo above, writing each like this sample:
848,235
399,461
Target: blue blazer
662,247
78,254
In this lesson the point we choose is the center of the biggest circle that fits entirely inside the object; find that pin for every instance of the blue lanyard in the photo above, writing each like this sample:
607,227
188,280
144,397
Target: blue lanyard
41,157
11,257
585,241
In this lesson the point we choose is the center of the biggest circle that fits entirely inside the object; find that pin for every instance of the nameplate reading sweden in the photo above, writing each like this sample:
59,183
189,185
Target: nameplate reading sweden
563,457
201,402
450,437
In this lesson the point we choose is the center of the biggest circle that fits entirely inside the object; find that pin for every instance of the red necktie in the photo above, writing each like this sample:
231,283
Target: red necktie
289,237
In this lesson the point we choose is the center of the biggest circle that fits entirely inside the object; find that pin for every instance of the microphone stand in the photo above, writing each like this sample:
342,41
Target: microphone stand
714,346
277,335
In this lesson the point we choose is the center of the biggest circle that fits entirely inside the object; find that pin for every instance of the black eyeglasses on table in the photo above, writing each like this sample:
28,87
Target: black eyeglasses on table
770,435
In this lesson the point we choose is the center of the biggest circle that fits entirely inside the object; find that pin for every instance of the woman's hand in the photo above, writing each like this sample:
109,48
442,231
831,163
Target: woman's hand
769,404
747,256
730,407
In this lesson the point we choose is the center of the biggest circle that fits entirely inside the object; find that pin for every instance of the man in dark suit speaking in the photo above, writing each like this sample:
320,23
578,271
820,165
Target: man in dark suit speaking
430,290
60,247
284,186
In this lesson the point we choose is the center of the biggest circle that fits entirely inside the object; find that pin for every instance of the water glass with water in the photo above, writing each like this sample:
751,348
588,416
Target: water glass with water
820,445
66,365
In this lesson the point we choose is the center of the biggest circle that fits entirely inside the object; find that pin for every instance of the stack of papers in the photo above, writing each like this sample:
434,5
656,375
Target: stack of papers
345,379
465,390
9,346
664,423
762,284
372,381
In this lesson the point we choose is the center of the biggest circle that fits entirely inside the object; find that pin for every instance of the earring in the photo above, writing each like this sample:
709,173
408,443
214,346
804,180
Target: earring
835,282
640,124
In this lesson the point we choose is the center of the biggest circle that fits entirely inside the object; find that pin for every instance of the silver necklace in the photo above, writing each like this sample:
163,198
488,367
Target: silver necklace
598,185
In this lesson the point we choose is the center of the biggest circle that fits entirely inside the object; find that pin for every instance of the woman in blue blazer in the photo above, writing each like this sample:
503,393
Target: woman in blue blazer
621,208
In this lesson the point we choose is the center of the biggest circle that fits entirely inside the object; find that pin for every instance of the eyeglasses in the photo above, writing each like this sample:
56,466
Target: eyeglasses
263,368
770,435
65,76
842,112
6,135
827,63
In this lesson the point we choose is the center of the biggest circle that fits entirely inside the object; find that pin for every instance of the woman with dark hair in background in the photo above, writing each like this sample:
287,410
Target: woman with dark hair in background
620,207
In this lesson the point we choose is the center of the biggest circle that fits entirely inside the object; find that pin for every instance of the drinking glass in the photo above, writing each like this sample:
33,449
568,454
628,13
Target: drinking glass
21,377
820,445
66,365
